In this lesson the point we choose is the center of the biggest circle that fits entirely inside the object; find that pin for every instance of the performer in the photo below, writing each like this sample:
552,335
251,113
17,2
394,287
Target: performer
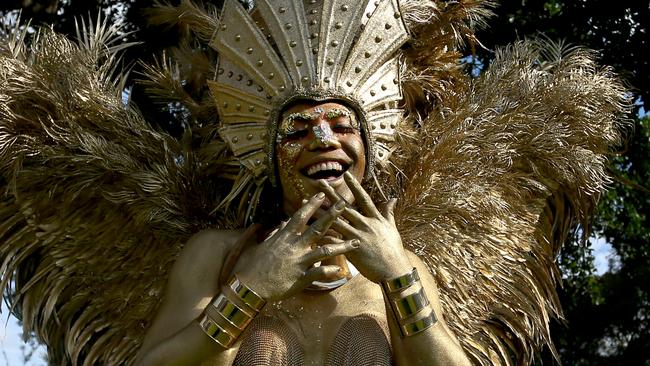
334,325
357,200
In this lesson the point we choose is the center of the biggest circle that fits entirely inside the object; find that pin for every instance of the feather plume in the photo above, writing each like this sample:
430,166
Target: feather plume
495,182
187,16
93,189
439,31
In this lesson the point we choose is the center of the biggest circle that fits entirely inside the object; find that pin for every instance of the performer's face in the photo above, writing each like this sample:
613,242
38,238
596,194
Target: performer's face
317,141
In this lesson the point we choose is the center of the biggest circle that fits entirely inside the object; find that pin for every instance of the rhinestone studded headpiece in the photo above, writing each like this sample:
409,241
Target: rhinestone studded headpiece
285,50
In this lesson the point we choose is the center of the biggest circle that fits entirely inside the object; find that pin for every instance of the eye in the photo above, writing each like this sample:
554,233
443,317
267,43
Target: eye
293,128
296,135
343,128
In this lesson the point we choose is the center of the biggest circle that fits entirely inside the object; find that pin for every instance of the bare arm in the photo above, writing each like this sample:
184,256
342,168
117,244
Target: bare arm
174,338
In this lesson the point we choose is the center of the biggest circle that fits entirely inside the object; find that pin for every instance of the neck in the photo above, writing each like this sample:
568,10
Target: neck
342,262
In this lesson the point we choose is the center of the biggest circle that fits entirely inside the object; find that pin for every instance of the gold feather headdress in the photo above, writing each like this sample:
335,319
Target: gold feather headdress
291,50
490,173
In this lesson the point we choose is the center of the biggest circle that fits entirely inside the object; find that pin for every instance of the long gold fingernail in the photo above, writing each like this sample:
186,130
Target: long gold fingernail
320,195
339,205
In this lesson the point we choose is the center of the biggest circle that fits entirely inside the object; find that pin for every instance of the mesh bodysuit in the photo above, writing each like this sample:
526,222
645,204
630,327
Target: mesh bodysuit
361,341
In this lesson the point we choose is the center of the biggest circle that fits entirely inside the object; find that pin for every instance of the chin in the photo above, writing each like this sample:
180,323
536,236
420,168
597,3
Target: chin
304,183
336,181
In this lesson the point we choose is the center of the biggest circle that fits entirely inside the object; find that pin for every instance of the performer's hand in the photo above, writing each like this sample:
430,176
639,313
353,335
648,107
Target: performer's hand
381,254
282,264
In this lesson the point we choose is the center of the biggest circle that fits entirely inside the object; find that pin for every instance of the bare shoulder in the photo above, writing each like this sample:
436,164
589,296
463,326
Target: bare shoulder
207,248
199,263
193,281
211,240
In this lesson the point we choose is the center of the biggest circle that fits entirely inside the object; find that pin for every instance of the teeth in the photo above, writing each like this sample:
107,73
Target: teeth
327,165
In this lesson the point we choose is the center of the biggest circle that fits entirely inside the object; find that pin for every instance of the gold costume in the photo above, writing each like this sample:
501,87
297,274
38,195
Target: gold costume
490,173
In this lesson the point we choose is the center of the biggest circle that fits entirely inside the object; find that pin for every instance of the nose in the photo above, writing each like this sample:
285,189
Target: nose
323,137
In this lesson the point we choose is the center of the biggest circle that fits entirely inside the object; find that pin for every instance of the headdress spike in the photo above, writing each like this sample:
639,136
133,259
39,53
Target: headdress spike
340,21
383,34
241,41
286,22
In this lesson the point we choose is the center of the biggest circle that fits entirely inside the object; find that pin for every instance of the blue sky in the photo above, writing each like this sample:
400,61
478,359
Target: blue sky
11,342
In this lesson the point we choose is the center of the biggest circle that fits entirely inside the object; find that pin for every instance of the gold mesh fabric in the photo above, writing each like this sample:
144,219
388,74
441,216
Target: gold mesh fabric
361,341
269,342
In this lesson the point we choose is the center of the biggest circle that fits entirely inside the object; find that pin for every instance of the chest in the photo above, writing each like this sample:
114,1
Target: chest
313,313
316,326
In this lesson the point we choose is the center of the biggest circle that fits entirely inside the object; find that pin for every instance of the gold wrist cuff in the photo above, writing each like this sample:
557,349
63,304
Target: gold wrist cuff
410,305
216,332
248,296
401,283
419,325
224,320
231,312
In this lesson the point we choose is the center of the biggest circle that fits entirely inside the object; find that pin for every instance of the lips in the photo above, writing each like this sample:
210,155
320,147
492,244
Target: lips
325,170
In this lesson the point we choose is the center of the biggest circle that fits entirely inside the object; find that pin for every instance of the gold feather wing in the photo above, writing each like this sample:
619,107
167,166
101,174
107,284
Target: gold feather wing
96,202
492,183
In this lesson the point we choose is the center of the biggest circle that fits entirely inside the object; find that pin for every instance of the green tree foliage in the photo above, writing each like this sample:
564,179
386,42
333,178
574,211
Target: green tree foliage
608,315
617,29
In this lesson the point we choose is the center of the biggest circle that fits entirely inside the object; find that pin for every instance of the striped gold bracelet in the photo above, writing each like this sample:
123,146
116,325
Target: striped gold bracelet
418,325
248,296
223,319
218,334
407,307
400,283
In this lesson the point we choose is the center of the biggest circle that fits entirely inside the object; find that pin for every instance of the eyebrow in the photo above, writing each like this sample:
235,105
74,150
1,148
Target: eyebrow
301,116
337,112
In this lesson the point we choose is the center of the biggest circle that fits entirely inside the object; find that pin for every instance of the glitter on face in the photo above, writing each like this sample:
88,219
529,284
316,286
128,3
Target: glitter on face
288,125
337,112
288,153
324,133
311,133
340,112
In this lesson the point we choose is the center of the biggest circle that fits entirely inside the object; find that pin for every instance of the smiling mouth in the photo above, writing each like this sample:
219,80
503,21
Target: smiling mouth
328,170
